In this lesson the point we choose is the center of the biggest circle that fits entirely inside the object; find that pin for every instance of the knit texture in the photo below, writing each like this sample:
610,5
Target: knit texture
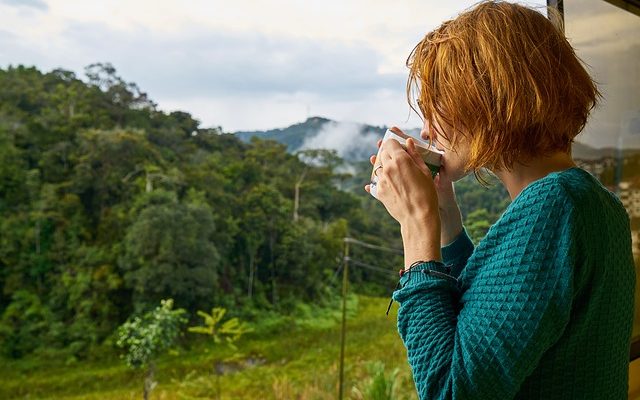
542,307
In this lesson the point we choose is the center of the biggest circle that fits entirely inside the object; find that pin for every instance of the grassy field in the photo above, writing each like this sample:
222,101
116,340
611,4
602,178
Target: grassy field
296,360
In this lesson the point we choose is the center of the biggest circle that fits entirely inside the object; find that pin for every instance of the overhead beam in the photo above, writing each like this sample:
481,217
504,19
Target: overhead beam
633,6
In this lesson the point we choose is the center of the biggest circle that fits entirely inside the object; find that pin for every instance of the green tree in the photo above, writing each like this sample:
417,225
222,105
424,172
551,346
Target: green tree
145,338
266,212
23,324
168,252
120,96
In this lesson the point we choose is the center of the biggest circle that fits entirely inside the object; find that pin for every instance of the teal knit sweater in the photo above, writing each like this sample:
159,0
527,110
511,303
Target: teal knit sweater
541,308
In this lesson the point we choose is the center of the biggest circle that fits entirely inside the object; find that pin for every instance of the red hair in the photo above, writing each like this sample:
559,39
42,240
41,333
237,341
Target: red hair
506,78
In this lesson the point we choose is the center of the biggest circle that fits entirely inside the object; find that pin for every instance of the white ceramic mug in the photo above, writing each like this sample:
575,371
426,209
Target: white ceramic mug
430,154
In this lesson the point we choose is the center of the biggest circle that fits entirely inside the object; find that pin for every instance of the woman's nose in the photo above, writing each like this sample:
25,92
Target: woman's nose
424,134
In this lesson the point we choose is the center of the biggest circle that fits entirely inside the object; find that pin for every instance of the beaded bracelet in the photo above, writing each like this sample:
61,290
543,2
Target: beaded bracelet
428,271
415,264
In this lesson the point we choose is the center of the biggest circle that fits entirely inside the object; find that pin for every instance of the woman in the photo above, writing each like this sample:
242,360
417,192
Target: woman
542,307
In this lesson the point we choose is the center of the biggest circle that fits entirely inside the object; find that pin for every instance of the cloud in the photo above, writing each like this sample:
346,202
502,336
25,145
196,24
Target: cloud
197,63
349,139
239,80
37,4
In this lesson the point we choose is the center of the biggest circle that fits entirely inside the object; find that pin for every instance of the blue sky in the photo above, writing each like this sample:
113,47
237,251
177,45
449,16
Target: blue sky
241,64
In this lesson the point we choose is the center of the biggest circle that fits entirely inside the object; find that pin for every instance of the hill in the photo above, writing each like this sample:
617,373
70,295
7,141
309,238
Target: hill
353,141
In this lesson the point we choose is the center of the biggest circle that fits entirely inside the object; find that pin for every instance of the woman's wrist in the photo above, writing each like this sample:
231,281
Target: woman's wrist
451,225
421,240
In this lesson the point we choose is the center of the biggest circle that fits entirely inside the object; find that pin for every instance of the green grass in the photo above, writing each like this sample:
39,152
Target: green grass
297,360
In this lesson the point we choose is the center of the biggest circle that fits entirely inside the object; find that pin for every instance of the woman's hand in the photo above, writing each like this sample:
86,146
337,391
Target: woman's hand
450,215
405,186
408,192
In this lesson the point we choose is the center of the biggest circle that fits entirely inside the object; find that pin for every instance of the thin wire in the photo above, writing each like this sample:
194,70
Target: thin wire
373,246
331,283
332,280
338,268
369,266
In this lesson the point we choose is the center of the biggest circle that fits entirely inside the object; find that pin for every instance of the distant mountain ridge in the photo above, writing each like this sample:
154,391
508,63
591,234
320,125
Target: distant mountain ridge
353,141
356,142
293,136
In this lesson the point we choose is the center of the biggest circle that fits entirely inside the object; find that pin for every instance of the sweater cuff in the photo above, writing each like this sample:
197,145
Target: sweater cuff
421,274
430,271
426,271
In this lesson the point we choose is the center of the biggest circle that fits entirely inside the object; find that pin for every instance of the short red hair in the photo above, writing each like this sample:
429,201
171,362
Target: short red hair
504,76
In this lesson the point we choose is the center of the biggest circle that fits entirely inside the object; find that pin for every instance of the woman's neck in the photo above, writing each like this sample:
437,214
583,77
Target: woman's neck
521,175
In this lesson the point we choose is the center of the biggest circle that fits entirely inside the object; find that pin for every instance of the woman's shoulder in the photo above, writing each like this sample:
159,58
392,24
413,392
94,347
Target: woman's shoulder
545,195
541,218
572,191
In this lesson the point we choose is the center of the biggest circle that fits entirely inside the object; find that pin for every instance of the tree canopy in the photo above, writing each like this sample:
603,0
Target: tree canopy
109,205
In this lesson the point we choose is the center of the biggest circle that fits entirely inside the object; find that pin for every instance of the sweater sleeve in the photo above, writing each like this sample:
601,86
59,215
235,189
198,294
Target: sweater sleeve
482,343
456,253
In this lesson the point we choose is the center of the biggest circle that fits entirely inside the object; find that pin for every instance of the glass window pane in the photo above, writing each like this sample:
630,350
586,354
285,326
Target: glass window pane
607,38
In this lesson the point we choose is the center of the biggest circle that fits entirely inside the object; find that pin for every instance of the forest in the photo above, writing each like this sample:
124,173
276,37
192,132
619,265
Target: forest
109,205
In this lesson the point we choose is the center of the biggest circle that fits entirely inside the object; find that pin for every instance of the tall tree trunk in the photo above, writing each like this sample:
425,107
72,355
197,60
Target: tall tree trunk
148,183
38,236
149,383
296,199
39,280
218,370
251,273
274,292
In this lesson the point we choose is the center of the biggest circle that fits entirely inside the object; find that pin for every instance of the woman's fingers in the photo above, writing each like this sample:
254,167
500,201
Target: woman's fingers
445,190
396,130
367,188
413,152
379,143
389,147
411,149
372,159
